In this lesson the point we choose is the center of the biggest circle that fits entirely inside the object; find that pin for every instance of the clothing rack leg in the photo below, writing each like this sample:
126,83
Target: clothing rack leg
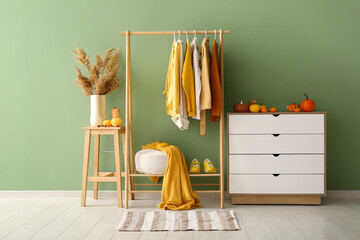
132,195
221,132
127,130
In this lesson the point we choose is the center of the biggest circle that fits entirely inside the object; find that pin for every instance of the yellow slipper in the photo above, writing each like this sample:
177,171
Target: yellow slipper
195,166
209,167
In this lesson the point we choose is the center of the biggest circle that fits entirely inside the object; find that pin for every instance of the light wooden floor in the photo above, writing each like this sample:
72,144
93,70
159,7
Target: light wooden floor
63,218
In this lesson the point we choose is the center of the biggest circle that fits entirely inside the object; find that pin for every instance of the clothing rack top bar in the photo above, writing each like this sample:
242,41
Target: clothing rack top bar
176,31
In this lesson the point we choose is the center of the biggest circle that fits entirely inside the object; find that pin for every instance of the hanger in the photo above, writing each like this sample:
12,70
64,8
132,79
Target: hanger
215,35
174,37
194,33
187,39
205,33
179,35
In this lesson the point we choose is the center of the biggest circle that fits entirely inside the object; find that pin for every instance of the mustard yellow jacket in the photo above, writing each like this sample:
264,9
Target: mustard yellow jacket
172,90
188,82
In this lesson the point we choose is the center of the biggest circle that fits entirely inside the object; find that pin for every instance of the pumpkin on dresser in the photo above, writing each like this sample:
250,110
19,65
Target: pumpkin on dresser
241,107
307,105
292,107
254,107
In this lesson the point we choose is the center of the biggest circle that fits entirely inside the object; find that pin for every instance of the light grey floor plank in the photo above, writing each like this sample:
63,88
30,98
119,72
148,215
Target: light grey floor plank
125,235
199,235
58,225
82,225
152,236
175,235
7,202
290,238
63,218
22,217
257,227
353,223
309,229
39,221
15,207
282,226
337,230
107,225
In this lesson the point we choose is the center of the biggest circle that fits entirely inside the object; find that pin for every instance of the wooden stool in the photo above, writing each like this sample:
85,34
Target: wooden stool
102,176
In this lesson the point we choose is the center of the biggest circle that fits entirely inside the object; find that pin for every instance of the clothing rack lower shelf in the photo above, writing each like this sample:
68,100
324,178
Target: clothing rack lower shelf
159,191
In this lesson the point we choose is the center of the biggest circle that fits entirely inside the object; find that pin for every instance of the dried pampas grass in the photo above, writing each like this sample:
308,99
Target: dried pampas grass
102,74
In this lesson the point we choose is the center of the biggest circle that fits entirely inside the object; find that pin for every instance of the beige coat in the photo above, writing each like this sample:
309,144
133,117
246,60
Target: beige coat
205,96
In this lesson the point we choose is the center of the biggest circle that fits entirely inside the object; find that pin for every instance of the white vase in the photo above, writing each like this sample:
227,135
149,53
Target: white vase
97,109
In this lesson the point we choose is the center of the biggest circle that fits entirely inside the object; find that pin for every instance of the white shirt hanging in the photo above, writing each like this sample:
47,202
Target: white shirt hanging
197,75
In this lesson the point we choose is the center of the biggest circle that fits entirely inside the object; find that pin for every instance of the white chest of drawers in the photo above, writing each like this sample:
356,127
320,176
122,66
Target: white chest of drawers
276,158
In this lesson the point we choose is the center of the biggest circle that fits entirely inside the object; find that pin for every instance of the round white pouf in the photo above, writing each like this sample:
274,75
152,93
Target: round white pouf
149,161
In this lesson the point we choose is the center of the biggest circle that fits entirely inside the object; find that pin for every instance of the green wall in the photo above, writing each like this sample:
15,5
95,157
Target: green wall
277,50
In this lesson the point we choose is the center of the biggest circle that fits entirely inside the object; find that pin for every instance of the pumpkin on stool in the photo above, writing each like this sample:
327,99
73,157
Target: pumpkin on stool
116,122
107,123
307,105
115,113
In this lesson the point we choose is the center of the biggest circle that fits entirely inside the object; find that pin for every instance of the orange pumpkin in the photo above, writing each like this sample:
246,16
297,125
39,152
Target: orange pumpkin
297,110
273,109
107,123
241,107
263,109
292,107
307,105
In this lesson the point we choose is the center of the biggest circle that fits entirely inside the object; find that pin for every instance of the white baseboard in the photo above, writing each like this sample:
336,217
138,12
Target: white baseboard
77,194
53,194
112,193
343,194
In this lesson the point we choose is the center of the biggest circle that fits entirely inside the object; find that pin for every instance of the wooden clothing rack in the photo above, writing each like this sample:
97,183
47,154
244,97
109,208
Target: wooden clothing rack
131,173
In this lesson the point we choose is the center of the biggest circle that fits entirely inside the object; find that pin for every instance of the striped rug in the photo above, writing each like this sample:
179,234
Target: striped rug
179,221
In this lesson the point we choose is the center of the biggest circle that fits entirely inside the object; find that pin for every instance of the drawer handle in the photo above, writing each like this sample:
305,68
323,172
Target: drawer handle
276,175
276,115
276,155
276,135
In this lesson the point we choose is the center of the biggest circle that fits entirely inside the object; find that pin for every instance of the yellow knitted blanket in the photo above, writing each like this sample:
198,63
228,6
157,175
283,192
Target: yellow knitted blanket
177,193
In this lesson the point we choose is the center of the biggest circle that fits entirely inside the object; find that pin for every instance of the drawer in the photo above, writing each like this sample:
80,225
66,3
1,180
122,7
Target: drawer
278,144
282,184
245,164
270,124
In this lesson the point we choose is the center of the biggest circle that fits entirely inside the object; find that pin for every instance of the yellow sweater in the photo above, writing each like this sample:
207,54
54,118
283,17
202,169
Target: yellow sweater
172,90
188,82
177,193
